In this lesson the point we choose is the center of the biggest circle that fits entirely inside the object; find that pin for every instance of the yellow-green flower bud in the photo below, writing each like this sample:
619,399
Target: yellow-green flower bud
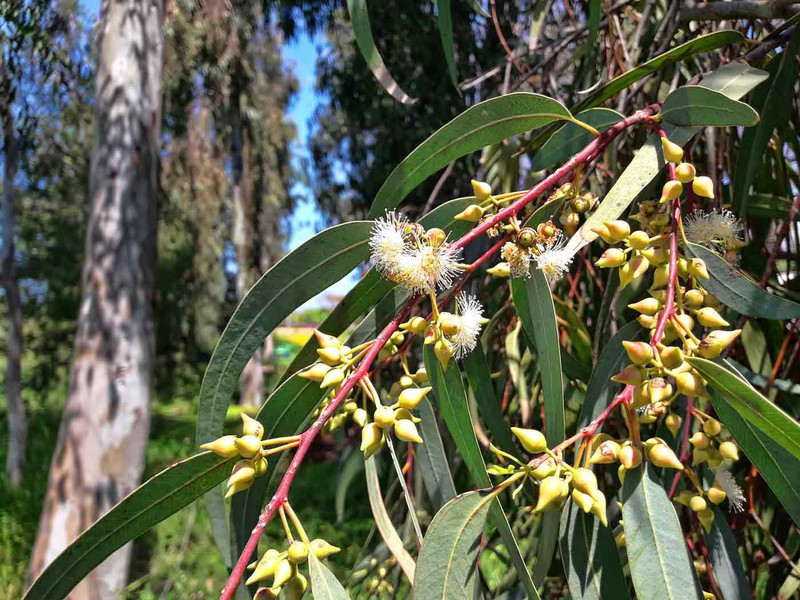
397,338
606,453
481,189
709,317
298,552
693,298
639,353
436,236
296,587
224,446
698,503
472,214
697,268
421,376
315,372
265,567
599,508
243,473
449,324
284,571
531,439
647,306
604,233
323,549
630,375
248,446
699,456
501,269
630,456
716,494
660,390
673,423
699,440
545,469
618,230
553,491
333,378
691,384
260,466
325,340
671,190
703,186
411,397
662,456
621,470
685,172
384,417
729,450
656,256
639,240
584,501
619,540
443,352
360,417
331,355
712,427
371,439
660,276
584,480
611,258
265,593
716,342
416,325
672,152
405,430
706,518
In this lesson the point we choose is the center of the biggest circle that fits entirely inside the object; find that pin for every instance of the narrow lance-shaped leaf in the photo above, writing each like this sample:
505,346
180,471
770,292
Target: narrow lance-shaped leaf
449,553
481,125
324,585
432,460
445,21
657,555
359,17
722,547
155,500
299,276
737,291
698,106
590,557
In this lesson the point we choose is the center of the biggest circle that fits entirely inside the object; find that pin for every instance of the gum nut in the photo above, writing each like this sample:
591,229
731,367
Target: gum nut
698,503
298,552
324,340
331,355
315,372
545,469
639,240
672,152
406,430
411,397
224,446
584,480
699,440
323,549
599,508
703,187
334,377
371,435
729,450
630,456
606,453
712,427
552,492
248,446
384,417
647,306
662,456
251,426
685,172
481,189
532,440
584,501
639,353
709,317
260,466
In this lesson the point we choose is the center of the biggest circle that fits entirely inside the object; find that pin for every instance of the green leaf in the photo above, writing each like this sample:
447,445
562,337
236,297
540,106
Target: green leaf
534,305
548,540
698,106
324,585
590,557
728,570
641,172
751,405
359,17
445,21
432,460
159,497
348,471
737,291
485,123
299,276
447,560
775,112
698,45
448,389
600,390
478,8
570,138
373,287
480,382
657,556
384,522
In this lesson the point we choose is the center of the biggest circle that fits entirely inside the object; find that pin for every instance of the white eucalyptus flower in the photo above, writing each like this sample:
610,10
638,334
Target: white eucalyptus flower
470,319
713,228
733,492
518,259
553,258
387,243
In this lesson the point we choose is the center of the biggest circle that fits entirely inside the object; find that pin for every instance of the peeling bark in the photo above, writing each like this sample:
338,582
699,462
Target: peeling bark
99,455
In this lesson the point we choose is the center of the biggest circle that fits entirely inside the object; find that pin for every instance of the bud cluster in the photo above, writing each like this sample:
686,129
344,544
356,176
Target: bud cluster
282,568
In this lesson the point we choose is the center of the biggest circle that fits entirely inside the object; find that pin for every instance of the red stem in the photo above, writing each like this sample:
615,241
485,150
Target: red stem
669,298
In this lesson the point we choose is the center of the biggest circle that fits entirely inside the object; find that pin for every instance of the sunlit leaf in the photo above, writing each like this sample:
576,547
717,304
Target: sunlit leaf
698,106
570,138
432,460
445,21
723,550
324,585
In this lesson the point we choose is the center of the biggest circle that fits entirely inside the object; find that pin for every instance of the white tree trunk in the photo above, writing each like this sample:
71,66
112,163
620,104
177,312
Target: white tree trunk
101,443
17,427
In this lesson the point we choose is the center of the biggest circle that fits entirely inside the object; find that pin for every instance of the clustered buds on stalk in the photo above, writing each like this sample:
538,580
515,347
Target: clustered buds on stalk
282,568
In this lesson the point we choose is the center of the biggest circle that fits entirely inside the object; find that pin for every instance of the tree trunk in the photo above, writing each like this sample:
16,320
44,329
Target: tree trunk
17,427
99,455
